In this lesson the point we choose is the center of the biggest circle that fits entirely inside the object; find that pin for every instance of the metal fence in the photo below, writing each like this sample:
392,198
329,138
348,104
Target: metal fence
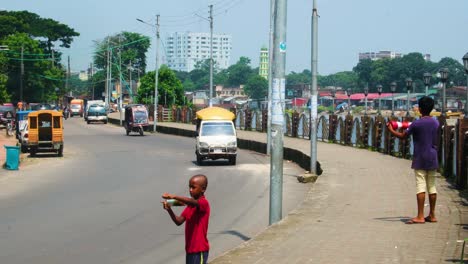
364,131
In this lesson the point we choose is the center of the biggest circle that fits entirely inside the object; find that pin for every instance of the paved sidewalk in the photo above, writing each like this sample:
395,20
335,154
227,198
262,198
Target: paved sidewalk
5,141
355,213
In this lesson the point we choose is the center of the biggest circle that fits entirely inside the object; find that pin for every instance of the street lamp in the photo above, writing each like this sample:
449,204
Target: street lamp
379,90
409,85
393,86
366,92
443,77
156,71
427,81
348,92
465,63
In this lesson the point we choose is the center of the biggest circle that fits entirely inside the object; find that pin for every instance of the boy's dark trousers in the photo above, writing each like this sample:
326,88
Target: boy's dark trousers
197,258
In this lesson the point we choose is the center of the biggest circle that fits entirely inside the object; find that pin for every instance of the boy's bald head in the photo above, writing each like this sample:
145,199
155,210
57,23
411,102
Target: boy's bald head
200,179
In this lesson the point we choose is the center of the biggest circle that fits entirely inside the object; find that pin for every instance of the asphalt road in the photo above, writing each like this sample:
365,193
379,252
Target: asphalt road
100,203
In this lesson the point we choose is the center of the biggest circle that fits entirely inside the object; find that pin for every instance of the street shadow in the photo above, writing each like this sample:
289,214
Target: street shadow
402,219
237,234
456,261
44,155
464,226
212,163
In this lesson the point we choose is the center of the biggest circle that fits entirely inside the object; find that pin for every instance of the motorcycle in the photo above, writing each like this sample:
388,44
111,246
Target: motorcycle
66,113
11,127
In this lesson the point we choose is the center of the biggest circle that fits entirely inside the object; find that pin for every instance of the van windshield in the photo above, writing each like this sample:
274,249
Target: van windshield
217,129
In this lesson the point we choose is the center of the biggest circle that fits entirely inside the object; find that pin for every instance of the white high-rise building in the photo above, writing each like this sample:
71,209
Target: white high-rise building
185,49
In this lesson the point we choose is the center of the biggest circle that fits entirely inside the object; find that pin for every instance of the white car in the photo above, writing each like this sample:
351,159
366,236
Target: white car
24,137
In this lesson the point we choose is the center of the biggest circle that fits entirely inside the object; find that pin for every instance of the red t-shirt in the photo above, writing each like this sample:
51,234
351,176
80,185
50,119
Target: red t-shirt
196,226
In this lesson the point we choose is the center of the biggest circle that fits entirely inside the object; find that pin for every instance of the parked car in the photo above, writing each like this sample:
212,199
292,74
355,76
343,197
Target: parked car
96,113
23,138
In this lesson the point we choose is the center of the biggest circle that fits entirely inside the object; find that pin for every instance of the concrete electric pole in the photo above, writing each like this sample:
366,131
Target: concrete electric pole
211,56
314,92
278,105
156,73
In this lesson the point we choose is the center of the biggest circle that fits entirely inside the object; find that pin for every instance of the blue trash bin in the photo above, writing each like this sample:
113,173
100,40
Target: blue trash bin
12,157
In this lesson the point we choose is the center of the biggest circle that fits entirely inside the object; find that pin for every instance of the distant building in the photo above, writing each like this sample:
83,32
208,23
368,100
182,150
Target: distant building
385,54
264,63
427,57
83,75
185,49
379,55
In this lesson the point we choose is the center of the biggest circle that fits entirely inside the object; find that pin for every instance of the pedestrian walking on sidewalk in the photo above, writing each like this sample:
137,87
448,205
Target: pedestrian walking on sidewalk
425,162
196,216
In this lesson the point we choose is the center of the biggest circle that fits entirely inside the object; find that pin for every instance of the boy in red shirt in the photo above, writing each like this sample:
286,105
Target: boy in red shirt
196,215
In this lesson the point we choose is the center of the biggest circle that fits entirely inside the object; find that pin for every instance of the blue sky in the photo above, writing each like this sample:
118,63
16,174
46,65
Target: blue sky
345,27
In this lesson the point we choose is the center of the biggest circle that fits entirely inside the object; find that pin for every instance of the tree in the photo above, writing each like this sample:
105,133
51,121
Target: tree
256,87
239,73
40,77
170,90
132,48
46,30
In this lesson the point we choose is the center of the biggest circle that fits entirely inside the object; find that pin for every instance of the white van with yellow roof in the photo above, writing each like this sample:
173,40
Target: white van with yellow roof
216,135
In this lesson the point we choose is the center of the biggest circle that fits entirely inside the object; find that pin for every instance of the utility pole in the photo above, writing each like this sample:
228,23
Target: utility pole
92,81
130,73
314,92
278,105
270,62
109,86
68,77
156,73
120,80
22,74
211,56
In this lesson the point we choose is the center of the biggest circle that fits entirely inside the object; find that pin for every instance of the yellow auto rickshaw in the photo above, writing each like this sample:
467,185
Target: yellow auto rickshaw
45,132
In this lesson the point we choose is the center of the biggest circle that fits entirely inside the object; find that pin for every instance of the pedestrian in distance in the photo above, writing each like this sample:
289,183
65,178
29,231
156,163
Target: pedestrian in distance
196,216
425,162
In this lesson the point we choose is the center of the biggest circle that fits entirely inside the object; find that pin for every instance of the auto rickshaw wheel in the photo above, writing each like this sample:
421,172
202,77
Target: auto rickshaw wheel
60,151
141,131
33,151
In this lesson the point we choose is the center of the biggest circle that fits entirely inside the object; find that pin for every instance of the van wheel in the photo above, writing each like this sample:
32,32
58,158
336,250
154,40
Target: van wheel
232,160
88,122
105,122
33,152
60,151
199,160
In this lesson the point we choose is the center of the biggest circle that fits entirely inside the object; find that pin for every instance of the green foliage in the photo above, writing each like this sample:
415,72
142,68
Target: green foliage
46,30
239,73
36,36
170,90
256,87
131,47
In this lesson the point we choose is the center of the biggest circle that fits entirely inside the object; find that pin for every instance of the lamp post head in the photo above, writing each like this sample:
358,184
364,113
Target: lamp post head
379,89
348,92
465,62
443,74
333,93
427,78
393,87
366,91
409,83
